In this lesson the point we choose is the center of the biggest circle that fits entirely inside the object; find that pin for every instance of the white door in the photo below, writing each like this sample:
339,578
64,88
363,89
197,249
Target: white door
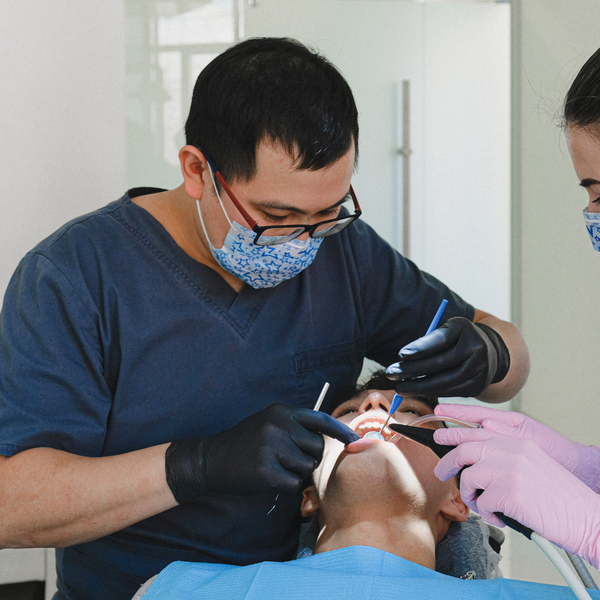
456,56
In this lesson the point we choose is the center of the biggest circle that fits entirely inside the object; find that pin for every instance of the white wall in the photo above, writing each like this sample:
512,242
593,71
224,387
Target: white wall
464,238
373,44
556,272
457,58
62,140
62,115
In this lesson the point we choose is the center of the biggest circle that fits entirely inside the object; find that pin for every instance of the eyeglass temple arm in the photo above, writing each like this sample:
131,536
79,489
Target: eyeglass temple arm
355,199
245,214
242,210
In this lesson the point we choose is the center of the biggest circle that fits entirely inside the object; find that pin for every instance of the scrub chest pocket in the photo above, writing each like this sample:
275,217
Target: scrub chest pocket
339,364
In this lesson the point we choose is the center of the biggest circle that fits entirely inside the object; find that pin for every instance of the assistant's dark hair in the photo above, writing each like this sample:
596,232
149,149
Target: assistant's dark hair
379,381
271,89
582,102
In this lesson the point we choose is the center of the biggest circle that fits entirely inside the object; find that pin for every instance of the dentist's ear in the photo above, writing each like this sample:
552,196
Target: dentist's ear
194,169
310,502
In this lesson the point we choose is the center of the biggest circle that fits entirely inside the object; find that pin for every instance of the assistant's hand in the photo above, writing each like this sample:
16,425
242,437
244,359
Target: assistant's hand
520,480
460,358
581,460
272,450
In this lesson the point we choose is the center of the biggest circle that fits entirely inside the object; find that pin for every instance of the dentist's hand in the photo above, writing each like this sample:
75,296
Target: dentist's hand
523,482
460,358
581,460
272,450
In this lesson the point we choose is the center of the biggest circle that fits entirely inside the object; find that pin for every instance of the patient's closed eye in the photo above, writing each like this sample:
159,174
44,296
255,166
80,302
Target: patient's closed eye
414,408
344,410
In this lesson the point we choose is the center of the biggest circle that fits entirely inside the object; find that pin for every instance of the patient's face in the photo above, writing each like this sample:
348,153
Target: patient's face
377,476
369,411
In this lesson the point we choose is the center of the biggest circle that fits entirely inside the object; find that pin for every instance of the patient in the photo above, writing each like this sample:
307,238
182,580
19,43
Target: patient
381,512
381,494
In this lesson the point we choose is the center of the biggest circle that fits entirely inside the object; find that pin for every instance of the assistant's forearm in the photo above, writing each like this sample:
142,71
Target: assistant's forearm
50,498
519,360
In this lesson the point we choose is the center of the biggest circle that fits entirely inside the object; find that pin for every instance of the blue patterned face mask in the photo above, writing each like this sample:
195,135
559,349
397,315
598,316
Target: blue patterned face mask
260,266
592,224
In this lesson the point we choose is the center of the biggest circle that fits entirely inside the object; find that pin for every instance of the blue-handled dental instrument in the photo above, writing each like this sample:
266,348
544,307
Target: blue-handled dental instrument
438,316
393,408
397,398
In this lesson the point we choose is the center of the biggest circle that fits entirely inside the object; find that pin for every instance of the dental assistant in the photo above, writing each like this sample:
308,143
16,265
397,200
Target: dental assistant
526,470
160,357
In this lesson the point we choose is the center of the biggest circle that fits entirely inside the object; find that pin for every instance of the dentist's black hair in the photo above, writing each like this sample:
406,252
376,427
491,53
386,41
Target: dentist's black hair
582,102
274,90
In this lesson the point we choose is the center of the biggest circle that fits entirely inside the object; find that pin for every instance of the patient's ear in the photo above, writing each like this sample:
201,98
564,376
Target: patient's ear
310,502
453,508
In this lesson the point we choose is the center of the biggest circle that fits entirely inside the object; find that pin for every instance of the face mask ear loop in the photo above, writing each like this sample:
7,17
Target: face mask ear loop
220,202
202,223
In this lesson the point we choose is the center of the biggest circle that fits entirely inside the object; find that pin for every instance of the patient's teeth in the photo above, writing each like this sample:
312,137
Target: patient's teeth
372,424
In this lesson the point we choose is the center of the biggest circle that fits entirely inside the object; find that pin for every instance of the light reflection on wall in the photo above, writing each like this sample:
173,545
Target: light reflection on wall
168,42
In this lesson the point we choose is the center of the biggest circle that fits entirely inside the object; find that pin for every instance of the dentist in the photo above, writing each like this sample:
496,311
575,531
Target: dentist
526,470
160,357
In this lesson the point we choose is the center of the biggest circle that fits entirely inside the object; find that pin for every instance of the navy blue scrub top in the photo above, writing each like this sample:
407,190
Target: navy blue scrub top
113,339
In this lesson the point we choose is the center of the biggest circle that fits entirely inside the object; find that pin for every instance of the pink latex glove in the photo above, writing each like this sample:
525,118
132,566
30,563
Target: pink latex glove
523,482
583,461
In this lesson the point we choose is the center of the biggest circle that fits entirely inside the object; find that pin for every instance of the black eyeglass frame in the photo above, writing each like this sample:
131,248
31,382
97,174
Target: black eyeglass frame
301,228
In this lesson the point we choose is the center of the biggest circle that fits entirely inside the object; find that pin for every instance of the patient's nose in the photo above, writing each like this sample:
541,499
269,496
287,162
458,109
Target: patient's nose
373,401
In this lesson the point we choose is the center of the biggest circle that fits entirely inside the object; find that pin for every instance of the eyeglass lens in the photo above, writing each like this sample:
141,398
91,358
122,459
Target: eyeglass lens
280,235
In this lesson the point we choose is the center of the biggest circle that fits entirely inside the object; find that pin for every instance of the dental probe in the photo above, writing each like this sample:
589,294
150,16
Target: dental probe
393,408
425,437
321,396
317,407
397,399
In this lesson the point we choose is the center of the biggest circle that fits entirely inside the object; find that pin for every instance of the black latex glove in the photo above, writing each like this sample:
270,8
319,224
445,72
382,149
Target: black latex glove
272,450
460,358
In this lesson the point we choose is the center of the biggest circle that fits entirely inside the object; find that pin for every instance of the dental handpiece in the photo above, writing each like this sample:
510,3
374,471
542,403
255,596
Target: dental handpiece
425,437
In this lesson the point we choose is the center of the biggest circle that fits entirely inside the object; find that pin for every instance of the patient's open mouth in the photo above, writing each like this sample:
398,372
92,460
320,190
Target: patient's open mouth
373,424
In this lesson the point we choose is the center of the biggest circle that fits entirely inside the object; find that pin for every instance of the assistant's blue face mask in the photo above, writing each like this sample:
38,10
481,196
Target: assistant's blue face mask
260,266
592,224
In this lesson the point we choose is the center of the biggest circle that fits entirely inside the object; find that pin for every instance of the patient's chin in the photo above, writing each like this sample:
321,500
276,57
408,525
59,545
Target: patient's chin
378,471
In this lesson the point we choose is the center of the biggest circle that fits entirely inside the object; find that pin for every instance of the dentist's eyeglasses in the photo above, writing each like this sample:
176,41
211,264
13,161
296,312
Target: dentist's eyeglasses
279,234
